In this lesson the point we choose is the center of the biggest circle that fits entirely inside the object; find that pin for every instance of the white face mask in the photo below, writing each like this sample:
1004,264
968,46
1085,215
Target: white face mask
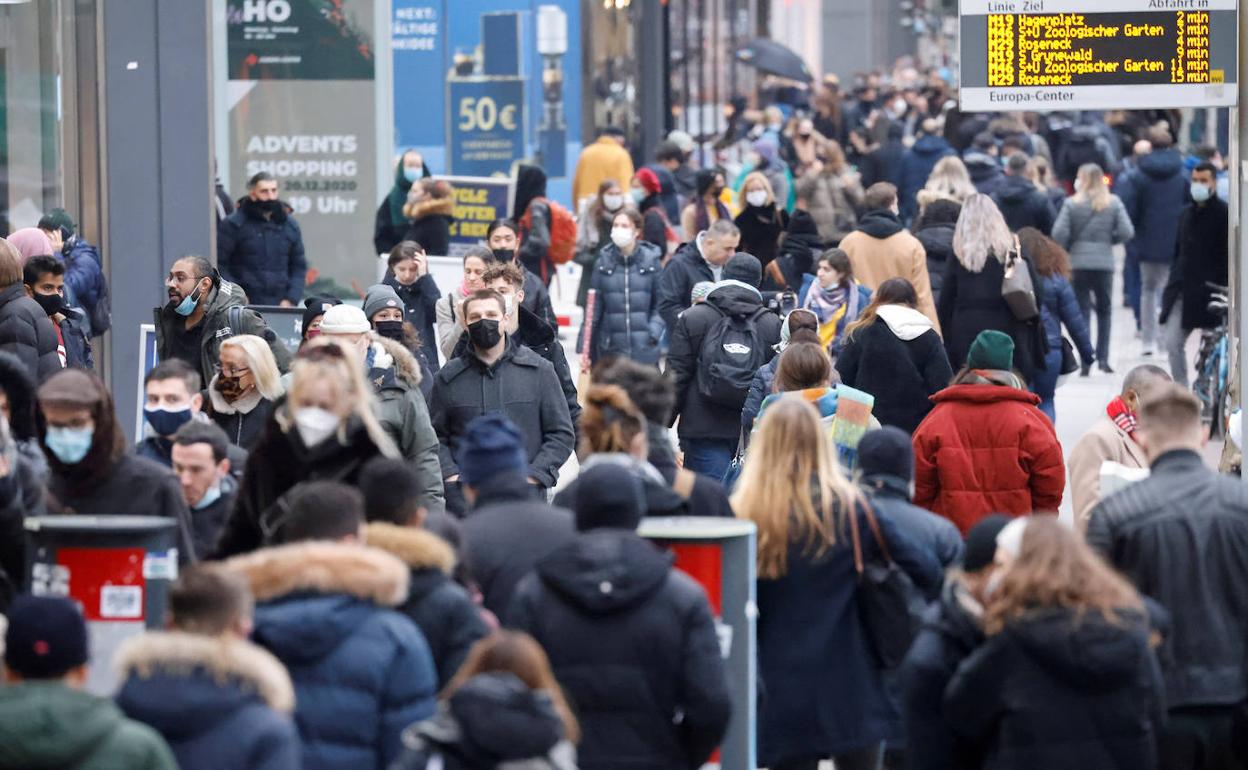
900,106
622,236
612,202
756,197
315,424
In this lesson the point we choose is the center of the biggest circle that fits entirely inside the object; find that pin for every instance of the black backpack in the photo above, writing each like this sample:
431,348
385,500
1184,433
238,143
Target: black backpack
731,352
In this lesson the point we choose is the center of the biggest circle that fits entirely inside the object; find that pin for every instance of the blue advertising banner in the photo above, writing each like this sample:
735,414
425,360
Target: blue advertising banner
418,42
486,124
478,202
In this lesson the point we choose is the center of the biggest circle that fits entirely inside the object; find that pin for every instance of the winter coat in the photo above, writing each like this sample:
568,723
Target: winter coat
633,644
420,301
1053,689
207,522
243,420
134,486
971,302
537,299
1058,308
430,224
985,171
706,497
279,461
761,228
263,256
916,167
884,163
401,410
1103,441
602,160
937,243
798,249
75,336
890,496
838,336
521,385
21,495
881,249
362,672
1090,236
760,388
506,533
440,607
899,359
684,270
390,224
1178,535
626,311
217,325
493,720
1154,195
218,701
833,200
85,282
661,499
1024,205
987,449
160,449
1201,257
534,251
699,416
823,693
47,725
27,332
949,632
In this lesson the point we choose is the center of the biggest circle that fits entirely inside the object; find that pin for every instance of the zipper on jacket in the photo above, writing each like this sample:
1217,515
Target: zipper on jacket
628,307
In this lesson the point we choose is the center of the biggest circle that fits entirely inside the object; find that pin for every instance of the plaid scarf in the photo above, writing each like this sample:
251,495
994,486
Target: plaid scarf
1123,417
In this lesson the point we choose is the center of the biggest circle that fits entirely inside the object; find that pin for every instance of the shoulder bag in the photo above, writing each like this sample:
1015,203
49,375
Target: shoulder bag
884,592
1016,287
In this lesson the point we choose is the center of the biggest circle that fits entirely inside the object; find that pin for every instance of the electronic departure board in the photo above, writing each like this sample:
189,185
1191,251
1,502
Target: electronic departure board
1045,55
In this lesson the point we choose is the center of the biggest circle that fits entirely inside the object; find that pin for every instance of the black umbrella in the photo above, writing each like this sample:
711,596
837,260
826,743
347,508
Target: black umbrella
772,58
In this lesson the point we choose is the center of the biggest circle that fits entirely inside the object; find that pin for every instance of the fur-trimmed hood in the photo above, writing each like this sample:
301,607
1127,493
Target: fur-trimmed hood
176,654
406,367
429,207
322,567
418,548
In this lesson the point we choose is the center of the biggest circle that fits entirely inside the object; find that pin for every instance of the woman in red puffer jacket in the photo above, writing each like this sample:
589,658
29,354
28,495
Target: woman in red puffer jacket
986,447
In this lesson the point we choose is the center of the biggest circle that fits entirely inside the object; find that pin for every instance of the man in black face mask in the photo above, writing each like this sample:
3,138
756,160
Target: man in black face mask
44,278
260,247
495,374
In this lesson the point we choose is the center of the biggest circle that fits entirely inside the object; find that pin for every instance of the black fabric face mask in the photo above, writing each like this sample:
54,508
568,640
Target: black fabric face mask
51,303
391,330
484,334
504,255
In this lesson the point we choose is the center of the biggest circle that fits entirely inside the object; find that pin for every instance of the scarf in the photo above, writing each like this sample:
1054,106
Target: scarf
398,195
1123,417
831,307
702,218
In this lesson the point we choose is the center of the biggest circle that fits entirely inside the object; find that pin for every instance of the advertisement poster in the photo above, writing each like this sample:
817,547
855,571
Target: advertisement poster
478,202
487,125
308,117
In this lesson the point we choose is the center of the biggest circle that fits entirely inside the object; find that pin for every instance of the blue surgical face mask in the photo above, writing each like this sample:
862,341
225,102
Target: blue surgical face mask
188,303
411,174
211,495
1201,192
69,445
167,421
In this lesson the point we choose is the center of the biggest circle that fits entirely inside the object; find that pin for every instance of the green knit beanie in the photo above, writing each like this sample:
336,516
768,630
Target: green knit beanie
991,350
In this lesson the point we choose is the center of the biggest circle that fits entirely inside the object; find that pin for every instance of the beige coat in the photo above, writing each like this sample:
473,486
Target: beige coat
1103,441
875,260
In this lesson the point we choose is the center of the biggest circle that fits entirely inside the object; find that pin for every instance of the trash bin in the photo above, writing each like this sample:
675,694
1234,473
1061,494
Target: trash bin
117,568
720,554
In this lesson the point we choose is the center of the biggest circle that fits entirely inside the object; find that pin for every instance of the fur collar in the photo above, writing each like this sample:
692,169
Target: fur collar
430,207
244,405
224,657
418,548
405,366
326,568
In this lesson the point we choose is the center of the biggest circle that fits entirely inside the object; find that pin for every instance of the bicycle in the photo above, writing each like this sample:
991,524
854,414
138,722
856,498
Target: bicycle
1212,384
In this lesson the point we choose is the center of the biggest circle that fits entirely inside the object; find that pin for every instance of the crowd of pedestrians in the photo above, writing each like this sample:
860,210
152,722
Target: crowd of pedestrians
845,323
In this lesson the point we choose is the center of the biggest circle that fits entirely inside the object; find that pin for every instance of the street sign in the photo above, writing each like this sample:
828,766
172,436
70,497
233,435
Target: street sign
1046,55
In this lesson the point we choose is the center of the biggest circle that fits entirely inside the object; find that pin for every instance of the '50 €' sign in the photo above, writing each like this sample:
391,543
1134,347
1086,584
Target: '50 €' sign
487,124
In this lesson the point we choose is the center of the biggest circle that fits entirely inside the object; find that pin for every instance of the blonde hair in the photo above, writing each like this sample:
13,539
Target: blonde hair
792,487
323,358
261,363
758,177
833,156
10,264
949,180
981,232
1092,189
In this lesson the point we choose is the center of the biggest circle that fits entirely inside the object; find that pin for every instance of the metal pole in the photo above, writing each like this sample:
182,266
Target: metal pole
1238,215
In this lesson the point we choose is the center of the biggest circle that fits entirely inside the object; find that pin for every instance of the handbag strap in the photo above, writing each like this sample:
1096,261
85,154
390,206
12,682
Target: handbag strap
875,532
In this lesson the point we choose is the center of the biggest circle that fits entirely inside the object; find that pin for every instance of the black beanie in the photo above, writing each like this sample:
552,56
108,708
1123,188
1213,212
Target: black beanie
886,452
609,496
744,268
314,308
46,638
981,542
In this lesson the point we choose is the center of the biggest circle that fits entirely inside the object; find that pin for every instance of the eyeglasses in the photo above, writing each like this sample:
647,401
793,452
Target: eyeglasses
231,372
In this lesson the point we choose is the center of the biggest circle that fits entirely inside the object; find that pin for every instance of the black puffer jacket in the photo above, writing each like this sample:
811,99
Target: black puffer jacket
937,240
633,643
699,416
493,721
264,256
1024,205
26,332
686,268
437,604
1056,690
626,311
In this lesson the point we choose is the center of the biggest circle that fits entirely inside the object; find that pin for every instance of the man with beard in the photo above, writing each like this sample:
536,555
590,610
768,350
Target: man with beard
203,311
260,247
